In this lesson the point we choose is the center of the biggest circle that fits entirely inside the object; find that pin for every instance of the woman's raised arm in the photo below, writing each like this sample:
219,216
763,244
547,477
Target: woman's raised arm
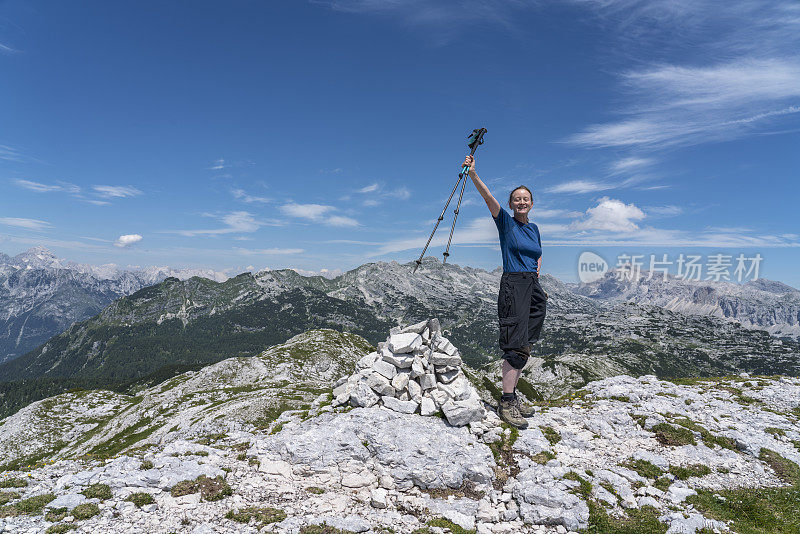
491,202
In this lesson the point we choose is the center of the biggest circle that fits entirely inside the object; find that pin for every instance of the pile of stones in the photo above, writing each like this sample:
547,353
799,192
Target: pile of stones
417,370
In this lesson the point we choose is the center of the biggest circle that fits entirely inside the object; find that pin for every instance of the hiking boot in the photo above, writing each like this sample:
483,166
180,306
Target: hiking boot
525,409
509,413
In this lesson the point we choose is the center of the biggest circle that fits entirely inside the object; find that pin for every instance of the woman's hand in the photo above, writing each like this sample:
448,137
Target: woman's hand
469,161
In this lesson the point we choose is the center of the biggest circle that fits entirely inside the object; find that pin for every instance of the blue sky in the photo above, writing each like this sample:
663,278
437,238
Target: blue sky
326,134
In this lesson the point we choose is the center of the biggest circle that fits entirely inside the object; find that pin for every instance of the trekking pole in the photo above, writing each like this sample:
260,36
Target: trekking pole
475,140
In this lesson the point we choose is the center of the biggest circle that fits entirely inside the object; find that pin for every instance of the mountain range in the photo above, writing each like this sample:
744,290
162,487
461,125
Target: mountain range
42,295
178,325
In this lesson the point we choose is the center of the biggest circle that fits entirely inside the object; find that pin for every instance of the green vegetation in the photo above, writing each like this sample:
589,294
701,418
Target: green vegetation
124,439
752,510
56,514
708,438
85,510
8,496
211,489
146,464
58,529
263,515
444,523
787,470
140,498
13,482
640,521
644,468
315,490
31,506
695,470
97,491
671,436
323,529
543,457
551,435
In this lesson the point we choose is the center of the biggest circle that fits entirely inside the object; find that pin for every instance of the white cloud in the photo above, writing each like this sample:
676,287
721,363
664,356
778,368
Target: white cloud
240,194
38,187
235,222
610,215
269,251
580,186
218,165
675,105
317,213
28,224
116,191
127,240
625,165
369,188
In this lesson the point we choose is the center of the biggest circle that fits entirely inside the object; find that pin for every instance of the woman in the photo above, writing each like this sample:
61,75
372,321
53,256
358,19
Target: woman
521,303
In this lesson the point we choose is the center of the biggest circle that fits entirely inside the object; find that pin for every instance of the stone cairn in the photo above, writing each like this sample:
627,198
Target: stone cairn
417,370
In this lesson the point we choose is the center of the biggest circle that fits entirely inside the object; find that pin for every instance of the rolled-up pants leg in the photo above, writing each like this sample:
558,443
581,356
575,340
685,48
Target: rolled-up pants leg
514,312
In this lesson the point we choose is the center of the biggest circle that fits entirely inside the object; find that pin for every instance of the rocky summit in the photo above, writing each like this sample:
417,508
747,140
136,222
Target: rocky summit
621,454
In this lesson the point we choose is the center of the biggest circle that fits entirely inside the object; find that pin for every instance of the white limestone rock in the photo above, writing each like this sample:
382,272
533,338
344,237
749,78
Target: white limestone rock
462,413
363,396
400,406
401,361
385,368
442,358
400,381
380,384
428,407
404,343
367,361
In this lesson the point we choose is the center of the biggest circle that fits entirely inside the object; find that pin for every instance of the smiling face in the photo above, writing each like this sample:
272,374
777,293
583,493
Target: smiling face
521,202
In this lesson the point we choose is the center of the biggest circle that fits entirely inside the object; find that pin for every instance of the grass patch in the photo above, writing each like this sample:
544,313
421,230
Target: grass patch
315,490
263,515
787,470
551,435
775,431
13,482
30,506
639,521
56,514
146,464
644,468
124,439
585,487
211,489
62,527
752,510
8,496
444,523
672,436
467,489
97,491
140,498
323,529
708,438
85,510
543,457
694,470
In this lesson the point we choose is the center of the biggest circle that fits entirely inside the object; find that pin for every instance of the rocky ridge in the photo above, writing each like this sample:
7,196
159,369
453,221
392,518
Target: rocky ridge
618,448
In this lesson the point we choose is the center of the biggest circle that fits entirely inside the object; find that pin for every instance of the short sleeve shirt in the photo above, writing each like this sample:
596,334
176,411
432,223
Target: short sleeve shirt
520,243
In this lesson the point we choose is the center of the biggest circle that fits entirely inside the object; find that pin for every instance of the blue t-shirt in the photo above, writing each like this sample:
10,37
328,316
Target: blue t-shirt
520,243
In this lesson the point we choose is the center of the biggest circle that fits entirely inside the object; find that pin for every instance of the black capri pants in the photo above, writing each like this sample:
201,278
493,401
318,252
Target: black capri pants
521,308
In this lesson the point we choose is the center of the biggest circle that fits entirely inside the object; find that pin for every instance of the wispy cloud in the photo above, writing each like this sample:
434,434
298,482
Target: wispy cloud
7,49
317,213
236,222
116,191
580,186
127,240
28,224
626,165
665,211
8,153
368,188
218,165
268,251
241,194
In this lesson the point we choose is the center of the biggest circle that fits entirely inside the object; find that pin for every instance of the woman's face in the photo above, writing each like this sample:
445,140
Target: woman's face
520,202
